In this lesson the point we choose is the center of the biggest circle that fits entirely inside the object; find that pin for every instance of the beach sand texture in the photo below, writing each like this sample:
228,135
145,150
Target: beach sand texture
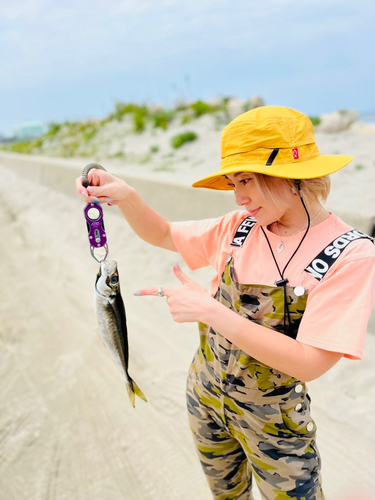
67,429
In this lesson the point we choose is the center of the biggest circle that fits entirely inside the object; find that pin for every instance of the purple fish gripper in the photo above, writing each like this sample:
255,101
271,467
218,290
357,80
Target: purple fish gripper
96,232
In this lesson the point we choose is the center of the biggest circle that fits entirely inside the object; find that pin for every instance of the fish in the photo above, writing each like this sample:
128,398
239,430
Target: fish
110,311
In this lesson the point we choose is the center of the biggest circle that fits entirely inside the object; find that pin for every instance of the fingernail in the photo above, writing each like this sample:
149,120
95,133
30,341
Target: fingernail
89,188
109,199
84,194
137,293
177,266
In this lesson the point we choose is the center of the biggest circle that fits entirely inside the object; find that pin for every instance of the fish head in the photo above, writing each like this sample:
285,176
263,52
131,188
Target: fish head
107,280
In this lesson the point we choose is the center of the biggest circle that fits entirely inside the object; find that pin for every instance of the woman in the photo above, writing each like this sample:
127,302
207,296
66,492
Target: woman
293,293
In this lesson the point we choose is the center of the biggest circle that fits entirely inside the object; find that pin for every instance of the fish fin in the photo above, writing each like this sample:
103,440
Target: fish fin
138,391
132,390
131,394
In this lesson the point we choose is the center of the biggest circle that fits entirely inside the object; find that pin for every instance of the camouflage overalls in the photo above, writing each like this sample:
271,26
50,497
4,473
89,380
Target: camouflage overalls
250,420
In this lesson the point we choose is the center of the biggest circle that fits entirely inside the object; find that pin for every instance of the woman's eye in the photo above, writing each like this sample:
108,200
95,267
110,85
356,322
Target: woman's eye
242,181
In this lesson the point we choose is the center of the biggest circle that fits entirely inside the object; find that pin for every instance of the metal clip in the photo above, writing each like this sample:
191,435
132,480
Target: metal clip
93,249
94,220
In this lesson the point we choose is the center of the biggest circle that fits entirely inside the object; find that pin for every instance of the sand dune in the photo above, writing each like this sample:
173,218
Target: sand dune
67,429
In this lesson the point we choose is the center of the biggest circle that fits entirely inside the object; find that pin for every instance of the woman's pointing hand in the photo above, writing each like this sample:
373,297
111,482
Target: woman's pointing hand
188,303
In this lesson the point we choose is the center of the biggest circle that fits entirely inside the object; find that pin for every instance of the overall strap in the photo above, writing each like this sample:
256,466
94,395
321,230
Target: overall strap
243,231
323,262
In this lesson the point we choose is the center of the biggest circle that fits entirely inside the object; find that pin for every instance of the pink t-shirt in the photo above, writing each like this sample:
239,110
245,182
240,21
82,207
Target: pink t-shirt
338,306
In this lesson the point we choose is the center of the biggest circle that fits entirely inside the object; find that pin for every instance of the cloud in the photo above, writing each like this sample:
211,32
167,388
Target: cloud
49,44
17,10
127,27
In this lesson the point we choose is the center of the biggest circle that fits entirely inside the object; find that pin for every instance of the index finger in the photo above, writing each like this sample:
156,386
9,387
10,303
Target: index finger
79,184
82,191
153,291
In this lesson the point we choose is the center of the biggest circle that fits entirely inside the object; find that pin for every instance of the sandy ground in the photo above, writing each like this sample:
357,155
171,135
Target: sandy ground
67,429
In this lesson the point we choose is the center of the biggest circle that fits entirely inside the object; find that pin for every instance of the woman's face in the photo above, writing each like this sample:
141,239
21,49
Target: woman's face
247,195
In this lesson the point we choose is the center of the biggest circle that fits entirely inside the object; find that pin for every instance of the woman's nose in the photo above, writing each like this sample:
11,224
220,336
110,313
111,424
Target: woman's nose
241,198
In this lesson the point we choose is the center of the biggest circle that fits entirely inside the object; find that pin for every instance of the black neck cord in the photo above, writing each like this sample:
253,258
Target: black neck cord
284,281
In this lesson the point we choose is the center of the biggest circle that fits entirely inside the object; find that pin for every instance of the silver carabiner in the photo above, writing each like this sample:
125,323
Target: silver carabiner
99,250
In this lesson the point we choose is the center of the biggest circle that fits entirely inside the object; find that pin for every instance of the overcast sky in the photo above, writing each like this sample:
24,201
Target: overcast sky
73,59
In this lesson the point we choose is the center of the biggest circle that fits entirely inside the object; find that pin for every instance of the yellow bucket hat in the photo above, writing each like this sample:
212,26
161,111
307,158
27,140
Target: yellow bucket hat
275,141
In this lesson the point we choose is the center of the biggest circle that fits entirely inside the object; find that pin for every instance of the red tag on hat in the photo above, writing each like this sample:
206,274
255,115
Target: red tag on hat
295,154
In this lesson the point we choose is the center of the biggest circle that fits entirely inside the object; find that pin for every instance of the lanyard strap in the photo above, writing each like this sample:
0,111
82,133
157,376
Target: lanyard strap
243,231
323,262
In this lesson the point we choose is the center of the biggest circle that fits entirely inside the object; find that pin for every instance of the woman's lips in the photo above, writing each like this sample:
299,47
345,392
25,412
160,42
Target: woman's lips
253,212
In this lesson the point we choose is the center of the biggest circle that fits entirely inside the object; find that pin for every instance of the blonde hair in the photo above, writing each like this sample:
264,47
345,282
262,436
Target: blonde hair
275,188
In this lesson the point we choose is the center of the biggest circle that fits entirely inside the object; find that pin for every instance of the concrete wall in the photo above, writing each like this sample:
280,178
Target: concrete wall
185,203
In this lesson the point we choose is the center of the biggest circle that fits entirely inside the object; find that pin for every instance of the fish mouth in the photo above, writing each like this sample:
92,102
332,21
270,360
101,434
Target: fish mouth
108,267
107,282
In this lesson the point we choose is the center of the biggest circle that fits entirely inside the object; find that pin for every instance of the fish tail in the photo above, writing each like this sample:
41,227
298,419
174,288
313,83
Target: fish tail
132,390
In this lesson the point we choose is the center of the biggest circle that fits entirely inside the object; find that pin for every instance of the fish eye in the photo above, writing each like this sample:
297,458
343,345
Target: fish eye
114,280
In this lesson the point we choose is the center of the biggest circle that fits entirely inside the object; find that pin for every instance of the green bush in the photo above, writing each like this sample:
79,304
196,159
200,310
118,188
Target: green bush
53,129
122,109
145,159
70,149
24,147
162,119
200,108
71,126
89,134
139,118
87,129
186,119
178,140
154,149
119,154
315,120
